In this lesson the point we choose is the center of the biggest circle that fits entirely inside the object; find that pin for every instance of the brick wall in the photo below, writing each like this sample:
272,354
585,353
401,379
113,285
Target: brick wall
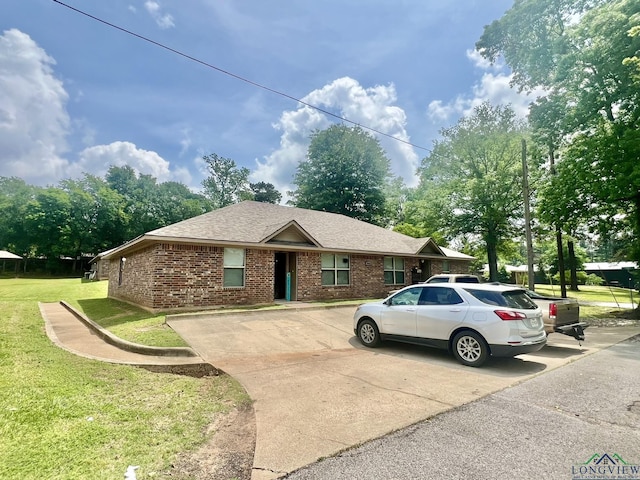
455,266
366,278
171,276
137,277
168,276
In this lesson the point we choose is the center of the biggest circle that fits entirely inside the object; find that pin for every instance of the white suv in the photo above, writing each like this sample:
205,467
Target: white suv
472,321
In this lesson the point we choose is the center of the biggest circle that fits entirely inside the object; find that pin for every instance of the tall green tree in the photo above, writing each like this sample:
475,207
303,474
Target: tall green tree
634,61
346,171
471,182
265,192
15,195
47,222
227,183
149,204
582,53
97,218
176,203
88,215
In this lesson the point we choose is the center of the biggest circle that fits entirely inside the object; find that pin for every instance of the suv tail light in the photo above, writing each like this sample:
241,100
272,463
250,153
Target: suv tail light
553,310
510,315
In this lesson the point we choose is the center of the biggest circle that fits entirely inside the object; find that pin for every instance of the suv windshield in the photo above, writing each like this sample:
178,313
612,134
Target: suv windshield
509,298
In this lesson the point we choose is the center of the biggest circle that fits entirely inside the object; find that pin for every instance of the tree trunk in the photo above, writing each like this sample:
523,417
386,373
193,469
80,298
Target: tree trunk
492,255
572,266
563,282
636,248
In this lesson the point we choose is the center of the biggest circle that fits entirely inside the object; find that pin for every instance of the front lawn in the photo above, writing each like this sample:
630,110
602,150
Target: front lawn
67,417
592,293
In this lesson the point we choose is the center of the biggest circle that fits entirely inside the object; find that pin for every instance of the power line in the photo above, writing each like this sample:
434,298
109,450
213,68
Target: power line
233,75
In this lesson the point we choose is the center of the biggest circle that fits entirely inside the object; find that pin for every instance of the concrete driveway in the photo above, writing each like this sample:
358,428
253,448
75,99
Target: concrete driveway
317,391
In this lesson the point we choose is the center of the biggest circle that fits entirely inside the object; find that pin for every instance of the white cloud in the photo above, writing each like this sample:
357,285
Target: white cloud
372,107
163,20
494,87
480,62
99,158
186,141
34,123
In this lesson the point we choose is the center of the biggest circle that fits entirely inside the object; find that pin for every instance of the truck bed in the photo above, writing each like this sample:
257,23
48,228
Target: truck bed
560,315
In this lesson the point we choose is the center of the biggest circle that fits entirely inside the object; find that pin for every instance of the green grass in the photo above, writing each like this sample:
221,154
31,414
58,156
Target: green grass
66,417
589,293
130,322
593,313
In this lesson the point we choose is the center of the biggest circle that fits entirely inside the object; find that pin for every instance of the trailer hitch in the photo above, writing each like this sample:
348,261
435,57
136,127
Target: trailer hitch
575,330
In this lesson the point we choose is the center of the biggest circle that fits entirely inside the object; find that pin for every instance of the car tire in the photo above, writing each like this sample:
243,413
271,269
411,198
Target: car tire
368,333
470,349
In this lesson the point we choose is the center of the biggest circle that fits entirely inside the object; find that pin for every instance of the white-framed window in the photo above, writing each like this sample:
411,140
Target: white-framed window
335,269
233,267
445,266
393,271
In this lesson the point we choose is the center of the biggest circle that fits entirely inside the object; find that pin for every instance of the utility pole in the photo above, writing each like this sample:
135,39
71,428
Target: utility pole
527,217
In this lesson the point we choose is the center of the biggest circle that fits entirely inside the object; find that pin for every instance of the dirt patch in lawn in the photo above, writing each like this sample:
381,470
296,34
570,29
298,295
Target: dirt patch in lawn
228,454
629,314
616,318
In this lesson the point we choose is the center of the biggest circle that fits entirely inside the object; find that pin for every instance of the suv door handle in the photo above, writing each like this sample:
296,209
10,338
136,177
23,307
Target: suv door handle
455,310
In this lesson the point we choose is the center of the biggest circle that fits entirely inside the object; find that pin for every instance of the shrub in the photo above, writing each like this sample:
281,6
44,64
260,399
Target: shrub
582,277
593,279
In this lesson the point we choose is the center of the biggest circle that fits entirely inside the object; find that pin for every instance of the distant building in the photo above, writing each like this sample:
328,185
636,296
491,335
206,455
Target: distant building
615,273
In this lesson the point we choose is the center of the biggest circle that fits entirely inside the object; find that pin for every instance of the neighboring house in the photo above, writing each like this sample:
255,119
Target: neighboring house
12,257
255,253
518,274
99,267
614,273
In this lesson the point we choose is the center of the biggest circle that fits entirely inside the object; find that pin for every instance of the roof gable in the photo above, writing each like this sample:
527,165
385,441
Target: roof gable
429,247
290,234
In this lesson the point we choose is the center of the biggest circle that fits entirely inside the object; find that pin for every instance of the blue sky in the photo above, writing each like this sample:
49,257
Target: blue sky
77,96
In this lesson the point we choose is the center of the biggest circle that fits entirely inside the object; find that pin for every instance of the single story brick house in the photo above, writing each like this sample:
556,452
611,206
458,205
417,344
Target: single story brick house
257,253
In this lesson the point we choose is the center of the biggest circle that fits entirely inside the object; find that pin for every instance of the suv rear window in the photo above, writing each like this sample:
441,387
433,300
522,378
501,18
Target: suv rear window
509,298
467,280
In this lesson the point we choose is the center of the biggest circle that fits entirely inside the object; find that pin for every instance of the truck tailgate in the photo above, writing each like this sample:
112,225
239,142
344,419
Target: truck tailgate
567,312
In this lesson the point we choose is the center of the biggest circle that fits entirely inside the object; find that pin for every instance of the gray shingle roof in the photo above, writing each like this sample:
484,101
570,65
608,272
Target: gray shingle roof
255,222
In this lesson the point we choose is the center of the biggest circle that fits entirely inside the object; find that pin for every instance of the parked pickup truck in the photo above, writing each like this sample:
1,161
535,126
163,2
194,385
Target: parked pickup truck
560,315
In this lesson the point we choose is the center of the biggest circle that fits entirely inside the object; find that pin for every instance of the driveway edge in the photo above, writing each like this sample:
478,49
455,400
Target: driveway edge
112,339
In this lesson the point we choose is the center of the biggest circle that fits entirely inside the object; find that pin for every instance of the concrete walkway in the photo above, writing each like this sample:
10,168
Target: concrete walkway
72,331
